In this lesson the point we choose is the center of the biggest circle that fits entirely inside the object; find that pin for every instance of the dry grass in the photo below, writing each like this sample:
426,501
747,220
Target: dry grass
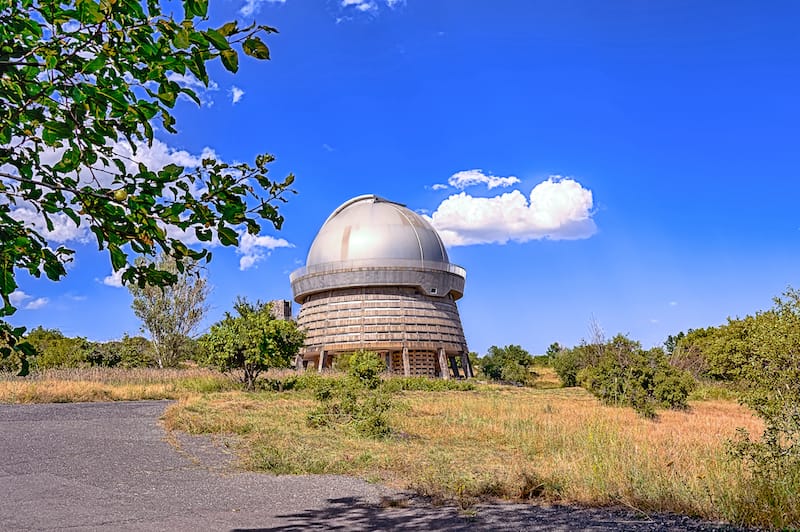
544,443
507,442
109,384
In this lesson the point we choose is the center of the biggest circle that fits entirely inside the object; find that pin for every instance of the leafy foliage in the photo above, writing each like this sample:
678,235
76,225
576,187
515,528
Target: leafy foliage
426,384
251,342
620,372
567,363
511,363
771,379
128,352
171,313
53,349
82,84
366,367
358,401
717,352
553,350
57,350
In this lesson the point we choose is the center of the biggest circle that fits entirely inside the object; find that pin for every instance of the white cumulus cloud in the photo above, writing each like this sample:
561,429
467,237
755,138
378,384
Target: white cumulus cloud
557,209
256,248
252,7
115,279
37,303
360,5
18,297
236,94
64,229
469,178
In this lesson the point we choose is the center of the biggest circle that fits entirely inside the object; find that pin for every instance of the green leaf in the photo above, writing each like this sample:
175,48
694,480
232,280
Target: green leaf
118,258
24,367
254,47
228,236
70,161
217,39
195,8
166,95
95,64
55,130
181,40
228,28
230,60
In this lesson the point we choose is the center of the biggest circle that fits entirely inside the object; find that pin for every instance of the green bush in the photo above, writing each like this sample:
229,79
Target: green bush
397,384
567,363
366,367
54,350
348,403
508,364
130,352
770,383
628,375
357,401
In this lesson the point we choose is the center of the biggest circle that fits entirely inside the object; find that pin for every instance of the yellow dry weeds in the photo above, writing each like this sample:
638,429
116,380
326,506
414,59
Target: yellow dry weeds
508,442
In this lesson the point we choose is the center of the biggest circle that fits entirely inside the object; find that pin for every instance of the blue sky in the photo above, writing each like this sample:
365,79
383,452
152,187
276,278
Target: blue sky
674,128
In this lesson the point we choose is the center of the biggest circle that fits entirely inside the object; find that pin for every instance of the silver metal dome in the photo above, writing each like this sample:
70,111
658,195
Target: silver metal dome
371,241
368,227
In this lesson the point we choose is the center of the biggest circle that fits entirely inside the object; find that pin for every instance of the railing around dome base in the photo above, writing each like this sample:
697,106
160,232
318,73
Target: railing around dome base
377,263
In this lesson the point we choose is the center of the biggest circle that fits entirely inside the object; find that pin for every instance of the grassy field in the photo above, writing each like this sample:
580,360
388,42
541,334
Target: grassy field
515,443
547,444
110,384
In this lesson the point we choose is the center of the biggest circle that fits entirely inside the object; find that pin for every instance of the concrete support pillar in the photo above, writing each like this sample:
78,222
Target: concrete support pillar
321,365
443,364
406,363
387,358
298,362
454,366
465,363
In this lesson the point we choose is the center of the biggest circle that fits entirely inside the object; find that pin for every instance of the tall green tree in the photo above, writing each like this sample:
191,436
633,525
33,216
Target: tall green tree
251,342
171,313
86,81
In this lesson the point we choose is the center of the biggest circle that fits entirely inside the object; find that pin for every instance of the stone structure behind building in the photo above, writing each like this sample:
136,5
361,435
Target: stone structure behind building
281,309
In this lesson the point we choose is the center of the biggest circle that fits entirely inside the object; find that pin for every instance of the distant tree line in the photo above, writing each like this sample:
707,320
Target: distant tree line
244,344
55,350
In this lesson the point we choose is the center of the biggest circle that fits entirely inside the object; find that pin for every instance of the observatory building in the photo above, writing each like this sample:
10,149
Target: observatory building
378,277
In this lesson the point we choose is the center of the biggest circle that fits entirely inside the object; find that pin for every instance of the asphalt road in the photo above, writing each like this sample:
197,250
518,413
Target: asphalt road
108,466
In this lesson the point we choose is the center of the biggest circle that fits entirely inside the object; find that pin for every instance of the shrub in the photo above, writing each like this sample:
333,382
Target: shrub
509,364
356,401
348,403
396,384
56,350
628,375
366,367
567,363
770,378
